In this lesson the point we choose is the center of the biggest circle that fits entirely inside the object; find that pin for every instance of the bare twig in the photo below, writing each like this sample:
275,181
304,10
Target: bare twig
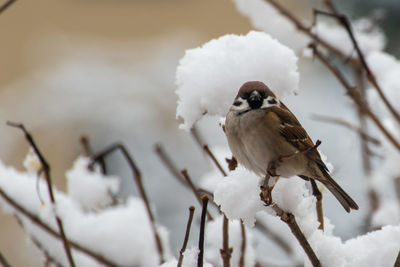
137,176
158,148
370,76
397,186
46,172
397,262
3,261
48,258
305,29
6,5
365,136
226,251
243,245
37,221
202,229
355,96
87,150
318,205
185,174
189,224
214,159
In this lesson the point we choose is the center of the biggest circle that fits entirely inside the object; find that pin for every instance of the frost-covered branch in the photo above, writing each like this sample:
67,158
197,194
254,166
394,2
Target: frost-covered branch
46,171
137,176
37,221
355,96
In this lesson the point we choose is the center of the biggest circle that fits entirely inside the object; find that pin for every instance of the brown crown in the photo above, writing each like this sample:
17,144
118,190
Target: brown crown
250,86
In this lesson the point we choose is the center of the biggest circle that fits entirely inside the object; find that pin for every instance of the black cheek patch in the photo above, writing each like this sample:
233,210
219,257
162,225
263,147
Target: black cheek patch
237,103
272,101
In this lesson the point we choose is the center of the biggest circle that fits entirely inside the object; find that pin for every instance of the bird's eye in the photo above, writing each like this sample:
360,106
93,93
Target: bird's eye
272,101
237,103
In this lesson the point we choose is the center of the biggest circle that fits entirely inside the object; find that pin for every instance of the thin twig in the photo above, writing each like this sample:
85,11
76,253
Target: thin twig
187,233
318,205
370,76
226,251
397,187
137,176
189,181
214,159
305,29
355,96
365,136
4,261
160,151
6,5
243,245
397,262
202,229
46,172
48,258
37,221
87,150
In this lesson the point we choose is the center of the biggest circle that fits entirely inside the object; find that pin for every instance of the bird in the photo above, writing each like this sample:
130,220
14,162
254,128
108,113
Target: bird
261,130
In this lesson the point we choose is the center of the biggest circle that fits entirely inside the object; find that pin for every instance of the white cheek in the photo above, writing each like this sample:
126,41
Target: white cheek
266,104
242,107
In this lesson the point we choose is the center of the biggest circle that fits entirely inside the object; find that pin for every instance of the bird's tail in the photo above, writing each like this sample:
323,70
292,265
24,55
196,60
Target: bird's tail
344,199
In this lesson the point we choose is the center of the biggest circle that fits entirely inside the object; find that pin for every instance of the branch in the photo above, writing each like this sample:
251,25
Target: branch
202,228
4,261
46,171
137,176
243,245
37,221
365,136
189,224
355,96
397,262
370,76
6,5
158,148
226,251
214,159
194,190
290,220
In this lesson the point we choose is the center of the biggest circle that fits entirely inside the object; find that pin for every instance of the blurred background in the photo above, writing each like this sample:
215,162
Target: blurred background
105,69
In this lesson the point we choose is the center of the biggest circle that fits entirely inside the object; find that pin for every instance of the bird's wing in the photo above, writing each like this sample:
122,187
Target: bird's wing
295,134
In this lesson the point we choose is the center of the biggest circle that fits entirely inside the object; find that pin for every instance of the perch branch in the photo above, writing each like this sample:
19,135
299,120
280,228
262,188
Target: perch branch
189,181
187,233
202,229
46,172
37,221
355,96
290,220
137,176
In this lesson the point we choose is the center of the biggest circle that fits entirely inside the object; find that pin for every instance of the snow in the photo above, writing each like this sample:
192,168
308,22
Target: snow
213,243
189,259
132,244
369,38
265,17
208,77
102,189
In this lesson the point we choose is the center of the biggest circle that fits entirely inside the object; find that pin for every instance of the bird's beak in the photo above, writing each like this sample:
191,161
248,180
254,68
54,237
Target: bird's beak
255,100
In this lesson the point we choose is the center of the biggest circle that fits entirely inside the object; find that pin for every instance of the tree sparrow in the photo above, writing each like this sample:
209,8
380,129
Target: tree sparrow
260,130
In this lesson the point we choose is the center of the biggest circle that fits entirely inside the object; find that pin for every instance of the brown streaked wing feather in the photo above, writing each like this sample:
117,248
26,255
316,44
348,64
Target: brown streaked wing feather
295,134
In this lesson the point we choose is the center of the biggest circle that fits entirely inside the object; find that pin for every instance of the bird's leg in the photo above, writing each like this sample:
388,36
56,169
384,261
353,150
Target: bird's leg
318,197
266,188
